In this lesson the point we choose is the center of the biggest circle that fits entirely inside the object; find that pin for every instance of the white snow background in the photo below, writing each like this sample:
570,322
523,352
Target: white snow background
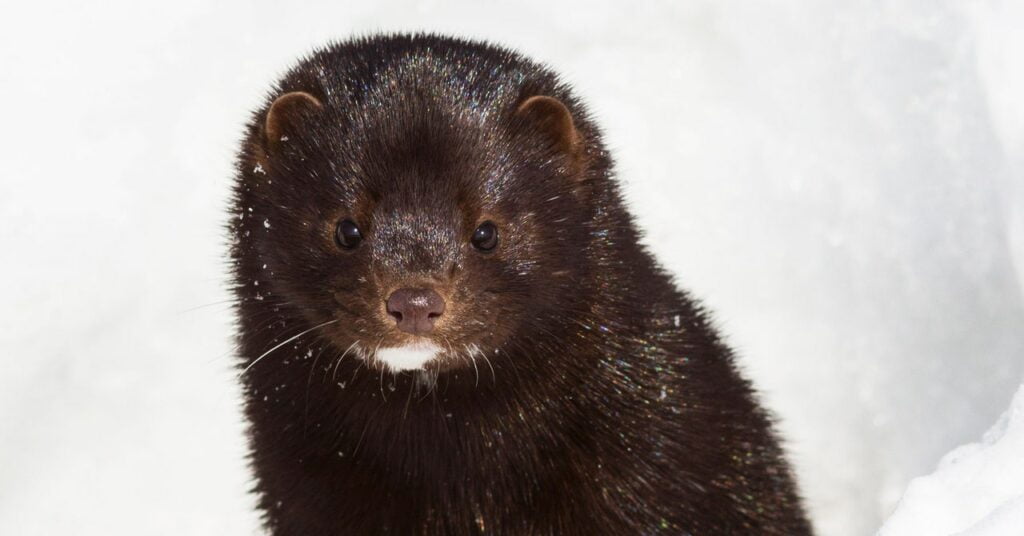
842,183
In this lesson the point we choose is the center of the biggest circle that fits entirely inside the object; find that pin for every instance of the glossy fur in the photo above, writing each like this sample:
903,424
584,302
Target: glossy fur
580,392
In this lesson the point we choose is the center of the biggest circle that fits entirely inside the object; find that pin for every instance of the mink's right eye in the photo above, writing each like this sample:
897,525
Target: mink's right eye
485,237
347,234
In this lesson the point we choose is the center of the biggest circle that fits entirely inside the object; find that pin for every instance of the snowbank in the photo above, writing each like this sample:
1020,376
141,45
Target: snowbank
839,181
977,490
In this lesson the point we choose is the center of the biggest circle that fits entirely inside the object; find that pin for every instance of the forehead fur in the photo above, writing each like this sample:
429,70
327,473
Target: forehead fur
416,106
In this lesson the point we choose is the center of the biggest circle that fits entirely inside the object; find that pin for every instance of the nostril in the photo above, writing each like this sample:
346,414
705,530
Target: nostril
394,306
434,305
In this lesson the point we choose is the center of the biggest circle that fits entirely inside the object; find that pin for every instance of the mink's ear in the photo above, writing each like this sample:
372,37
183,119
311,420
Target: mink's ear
286,116
550,117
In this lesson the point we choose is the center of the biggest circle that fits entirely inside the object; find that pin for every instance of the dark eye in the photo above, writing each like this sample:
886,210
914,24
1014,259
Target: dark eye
485,237
347,234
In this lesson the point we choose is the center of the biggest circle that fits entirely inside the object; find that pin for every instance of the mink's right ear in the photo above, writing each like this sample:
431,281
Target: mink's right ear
550,117
286,117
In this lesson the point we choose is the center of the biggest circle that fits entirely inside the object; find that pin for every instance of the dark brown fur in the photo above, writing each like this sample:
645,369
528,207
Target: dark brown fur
599,400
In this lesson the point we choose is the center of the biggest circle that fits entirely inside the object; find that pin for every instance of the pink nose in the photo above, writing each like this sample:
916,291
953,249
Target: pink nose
415,309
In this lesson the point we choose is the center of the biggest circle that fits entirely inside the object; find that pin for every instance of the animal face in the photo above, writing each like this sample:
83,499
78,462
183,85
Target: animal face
417,233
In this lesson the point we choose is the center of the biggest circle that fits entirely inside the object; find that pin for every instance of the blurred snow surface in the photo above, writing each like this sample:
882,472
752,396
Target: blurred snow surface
840,182
977,490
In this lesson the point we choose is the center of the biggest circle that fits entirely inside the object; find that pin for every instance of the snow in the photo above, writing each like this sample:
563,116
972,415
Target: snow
840,182
978,489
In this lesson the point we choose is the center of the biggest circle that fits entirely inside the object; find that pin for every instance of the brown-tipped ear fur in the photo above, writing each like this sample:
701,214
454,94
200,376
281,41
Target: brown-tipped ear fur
554,119
286,114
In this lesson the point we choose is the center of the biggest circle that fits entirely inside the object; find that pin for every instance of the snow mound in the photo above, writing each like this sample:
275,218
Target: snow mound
977,489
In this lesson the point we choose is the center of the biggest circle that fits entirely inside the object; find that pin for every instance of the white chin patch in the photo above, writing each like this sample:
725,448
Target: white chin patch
408,357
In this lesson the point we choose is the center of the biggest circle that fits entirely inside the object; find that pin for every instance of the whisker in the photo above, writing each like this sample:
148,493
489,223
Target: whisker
472,359
268,352
449,343
312,368
375,348
309,383
334,374
362,362
205,305
494,377
512,363
405,411
430,383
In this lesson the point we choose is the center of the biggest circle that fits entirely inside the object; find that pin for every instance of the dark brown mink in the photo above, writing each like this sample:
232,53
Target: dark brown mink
448,325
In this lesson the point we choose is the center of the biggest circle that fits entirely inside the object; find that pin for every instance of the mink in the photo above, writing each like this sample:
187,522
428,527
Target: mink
447,323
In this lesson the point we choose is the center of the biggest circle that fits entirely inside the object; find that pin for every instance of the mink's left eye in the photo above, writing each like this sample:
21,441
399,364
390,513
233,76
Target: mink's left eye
347,234
485,237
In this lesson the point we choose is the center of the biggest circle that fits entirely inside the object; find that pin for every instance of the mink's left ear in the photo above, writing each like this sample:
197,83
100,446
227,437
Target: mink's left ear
287,116
551,118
